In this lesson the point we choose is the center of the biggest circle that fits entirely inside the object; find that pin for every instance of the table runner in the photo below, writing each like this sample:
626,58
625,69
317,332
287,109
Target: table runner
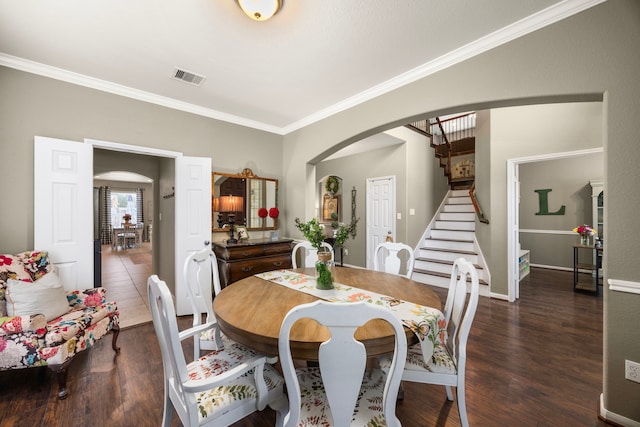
427,323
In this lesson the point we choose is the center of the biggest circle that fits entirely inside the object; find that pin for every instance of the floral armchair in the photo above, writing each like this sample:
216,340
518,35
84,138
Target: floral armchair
38,329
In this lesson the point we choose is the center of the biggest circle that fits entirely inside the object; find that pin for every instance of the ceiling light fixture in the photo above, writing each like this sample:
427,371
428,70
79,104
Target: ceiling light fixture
260,10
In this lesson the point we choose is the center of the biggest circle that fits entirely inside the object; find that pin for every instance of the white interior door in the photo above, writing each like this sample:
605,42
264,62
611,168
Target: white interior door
381,207
193,217
63,208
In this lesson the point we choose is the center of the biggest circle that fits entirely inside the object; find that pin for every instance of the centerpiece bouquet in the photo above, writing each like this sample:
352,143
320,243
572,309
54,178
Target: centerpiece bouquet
585,231
313,231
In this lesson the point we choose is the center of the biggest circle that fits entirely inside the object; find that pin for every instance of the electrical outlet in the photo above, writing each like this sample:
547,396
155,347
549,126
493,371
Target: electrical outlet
632,371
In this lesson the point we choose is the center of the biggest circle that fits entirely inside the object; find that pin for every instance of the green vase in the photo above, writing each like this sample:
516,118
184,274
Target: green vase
324,266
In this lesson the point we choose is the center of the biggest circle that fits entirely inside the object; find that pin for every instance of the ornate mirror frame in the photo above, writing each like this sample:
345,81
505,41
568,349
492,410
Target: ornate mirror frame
256,193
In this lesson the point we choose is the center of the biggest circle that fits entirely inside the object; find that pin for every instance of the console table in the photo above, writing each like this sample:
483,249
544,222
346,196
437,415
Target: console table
248,257
594,267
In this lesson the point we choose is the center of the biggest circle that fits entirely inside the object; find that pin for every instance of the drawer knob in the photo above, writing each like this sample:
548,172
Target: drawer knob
277,264
247,269
246,254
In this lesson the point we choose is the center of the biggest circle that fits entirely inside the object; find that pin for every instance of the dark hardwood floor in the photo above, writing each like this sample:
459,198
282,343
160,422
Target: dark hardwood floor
537,362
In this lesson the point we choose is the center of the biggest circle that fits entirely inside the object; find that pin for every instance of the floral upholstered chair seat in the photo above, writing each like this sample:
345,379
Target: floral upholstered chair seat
232,394
441,362
50,338
315,408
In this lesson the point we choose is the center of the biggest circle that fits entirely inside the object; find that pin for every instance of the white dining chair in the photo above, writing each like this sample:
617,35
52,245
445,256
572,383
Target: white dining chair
389,252
219,388
200,271
329,393
448,364
309,254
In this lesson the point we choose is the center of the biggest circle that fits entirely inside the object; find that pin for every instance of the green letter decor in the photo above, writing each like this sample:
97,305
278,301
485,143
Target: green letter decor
544,203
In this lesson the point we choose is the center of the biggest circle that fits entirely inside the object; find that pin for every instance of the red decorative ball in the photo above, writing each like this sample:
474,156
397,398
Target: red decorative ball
274,212
262,212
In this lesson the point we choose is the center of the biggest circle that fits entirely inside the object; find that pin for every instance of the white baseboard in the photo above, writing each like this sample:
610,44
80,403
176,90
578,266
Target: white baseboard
615,418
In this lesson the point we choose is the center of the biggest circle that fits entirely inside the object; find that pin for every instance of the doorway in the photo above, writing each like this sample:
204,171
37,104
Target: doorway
380,213
513,210
126,254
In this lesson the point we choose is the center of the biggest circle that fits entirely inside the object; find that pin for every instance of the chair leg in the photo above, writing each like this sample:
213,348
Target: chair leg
167,412
462,407
449,392
116,332
60,372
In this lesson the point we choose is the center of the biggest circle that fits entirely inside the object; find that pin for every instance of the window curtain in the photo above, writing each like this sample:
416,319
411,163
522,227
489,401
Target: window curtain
104,212
140,212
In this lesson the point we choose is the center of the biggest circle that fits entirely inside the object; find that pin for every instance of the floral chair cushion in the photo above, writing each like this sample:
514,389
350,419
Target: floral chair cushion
36,263
441,362
222,399
315,406
11,267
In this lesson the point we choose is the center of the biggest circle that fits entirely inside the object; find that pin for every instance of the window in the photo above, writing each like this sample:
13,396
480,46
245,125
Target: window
123,202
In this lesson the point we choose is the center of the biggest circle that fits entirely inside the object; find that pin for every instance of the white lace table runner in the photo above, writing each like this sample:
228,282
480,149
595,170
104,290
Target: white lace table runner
427,323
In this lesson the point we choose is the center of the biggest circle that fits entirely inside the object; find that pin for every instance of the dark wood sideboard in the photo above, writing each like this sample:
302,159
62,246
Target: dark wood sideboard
248,257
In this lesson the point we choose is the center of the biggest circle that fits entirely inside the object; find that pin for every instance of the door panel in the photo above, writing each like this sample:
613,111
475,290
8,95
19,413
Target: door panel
62,208
193,217
380,213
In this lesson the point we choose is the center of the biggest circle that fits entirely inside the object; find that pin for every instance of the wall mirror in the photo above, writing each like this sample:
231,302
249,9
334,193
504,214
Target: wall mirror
243,199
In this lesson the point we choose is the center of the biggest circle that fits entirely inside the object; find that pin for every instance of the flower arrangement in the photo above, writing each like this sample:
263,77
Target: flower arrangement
585,230
262,212
126,217
274,213
312,231
344,231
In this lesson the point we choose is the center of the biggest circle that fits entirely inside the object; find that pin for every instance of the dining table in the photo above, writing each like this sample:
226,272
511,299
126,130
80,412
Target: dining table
250,311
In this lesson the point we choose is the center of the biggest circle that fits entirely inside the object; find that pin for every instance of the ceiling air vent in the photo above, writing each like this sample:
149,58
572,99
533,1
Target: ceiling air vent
188,77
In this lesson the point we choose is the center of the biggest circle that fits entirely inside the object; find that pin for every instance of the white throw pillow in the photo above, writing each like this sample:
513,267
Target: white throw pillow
44,296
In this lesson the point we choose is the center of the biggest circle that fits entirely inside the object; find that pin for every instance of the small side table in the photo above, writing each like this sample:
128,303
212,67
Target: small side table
593,285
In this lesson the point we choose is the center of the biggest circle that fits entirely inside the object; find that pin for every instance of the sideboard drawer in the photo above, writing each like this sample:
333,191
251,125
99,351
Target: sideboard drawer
241,269
246,258
247,252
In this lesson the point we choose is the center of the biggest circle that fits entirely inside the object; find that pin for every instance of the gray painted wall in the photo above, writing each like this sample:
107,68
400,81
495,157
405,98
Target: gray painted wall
31,105
420,185
586,57
569,180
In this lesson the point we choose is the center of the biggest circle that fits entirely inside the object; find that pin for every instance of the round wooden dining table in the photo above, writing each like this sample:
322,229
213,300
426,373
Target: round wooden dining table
250,311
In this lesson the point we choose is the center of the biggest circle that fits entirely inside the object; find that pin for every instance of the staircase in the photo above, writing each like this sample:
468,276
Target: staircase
450,235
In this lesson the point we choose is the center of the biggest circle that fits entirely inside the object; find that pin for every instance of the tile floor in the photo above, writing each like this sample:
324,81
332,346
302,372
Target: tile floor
124,276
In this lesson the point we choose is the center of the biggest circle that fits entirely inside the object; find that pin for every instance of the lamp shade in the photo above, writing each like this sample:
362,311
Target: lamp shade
260,10
231,203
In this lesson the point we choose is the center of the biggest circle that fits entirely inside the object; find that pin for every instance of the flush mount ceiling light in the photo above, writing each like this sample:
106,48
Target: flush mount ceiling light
260,10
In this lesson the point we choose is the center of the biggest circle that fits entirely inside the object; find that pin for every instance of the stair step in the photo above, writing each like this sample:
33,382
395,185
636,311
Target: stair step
459,193
449,244
459,200
443,275
455,225
460,235
447,254
459,208
457,216
443,261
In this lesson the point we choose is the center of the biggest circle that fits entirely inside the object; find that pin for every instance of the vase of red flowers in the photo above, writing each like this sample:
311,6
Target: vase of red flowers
585,232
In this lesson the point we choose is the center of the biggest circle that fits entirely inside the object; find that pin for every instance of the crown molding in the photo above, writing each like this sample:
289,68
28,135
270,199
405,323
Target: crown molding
117,89
548,16
545,17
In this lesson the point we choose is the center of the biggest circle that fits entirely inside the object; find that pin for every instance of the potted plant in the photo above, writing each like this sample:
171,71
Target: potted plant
314,233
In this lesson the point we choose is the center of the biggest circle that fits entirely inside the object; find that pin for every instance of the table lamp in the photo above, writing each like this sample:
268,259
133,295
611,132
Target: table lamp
231,204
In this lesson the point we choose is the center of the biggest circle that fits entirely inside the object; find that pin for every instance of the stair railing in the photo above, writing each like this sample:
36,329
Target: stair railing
476,205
